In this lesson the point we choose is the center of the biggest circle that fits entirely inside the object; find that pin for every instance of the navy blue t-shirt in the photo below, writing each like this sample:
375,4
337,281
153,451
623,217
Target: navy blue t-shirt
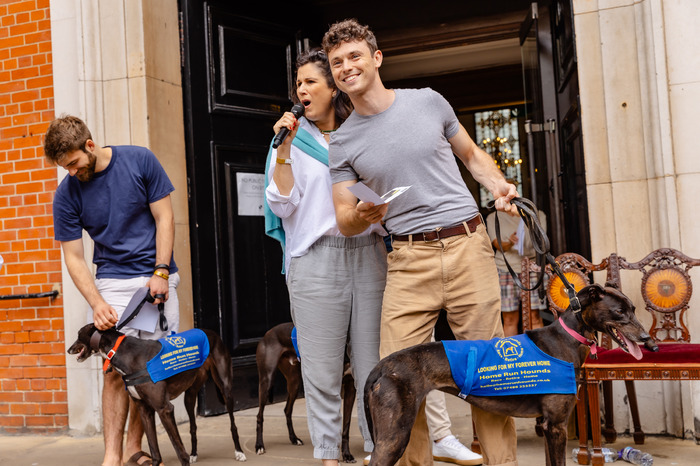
114,208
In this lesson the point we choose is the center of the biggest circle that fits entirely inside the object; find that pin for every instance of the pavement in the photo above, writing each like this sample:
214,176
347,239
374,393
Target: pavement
216,446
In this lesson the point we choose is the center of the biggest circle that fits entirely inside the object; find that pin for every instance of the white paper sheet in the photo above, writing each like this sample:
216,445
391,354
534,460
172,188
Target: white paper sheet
365,194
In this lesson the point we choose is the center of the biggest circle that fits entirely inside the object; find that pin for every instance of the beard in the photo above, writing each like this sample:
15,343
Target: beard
86,173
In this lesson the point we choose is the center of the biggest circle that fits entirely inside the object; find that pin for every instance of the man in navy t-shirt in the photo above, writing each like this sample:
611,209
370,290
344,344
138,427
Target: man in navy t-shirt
119,195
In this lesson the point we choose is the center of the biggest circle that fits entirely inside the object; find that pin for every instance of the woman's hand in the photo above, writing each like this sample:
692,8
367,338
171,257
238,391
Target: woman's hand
290,122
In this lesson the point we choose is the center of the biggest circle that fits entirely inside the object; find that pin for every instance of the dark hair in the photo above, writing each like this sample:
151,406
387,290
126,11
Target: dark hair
66,134
341,101
349,30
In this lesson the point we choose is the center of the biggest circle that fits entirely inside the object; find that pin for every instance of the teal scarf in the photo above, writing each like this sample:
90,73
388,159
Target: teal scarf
307,144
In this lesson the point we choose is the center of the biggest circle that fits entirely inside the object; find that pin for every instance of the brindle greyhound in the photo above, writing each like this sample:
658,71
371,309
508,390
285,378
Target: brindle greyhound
131,358
398,384
276,350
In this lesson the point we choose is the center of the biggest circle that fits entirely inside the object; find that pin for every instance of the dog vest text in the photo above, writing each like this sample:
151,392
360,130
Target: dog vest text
179,352
507,366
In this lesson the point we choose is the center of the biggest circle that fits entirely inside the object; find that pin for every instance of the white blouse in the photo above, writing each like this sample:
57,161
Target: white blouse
307,213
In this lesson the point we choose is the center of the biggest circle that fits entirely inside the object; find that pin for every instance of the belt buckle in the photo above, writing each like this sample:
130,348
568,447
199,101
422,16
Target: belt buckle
437,235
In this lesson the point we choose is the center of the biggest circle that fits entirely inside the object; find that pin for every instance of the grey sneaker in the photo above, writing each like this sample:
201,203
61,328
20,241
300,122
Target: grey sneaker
450,450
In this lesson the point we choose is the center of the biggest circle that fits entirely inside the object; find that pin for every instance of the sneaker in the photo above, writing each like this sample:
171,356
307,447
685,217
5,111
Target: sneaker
366,461
450,450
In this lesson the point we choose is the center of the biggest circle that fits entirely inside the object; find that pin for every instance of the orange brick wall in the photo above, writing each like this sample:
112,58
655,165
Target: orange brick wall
32,353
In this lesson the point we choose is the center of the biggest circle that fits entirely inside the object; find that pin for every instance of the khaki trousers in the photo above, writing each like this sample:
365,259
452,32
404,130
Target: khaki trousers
457,274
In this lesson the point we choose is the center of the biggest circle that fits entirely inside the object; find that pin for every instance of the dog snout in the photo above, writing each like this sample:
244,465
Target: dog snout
75,348
651,345
81,350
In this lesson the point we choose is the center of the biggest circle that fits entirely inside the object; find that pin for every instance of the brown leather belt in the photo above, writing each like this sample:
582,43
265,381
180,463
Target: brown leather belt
439,233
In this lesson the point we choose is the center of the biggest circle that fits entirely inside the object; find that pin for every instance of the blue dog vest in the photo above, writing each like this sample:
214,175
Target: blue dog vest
507,366
179,352
294,342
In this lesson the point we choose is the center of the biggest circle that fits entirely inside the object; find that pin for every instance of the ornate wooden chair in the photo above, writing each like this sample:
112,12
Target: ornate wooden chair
666,289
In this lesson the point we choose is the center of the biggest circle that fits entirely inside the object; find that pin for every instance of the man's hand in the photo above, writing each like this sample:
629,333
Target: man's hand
370,213
104,316
353,217
158,285
503,193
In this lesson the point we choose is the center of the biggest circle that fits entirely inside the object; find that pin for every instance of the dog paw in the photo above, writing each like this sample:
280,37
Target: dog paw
260,450
193,459
349,459
240,456
297,442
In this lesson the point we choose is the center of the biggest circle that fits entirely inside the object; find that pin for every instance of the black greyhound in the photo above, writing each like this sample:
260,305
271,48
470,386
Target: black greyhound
276,350
131,358
398,384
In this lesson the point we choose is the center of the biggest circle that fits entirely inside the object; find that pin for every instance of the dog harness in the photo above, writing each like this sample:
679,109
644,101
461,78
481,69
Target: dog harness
112,352
507,366
179,352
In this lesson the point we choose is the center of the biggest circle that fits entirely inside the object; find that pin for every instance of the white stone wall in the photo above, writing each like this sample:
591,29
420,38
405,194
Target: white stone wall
640,84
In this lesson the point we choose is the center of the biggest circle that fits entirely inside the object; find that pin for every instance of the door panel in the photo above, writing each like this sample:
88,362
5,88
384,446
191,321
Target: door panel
242,51
571,160
575,200
537,170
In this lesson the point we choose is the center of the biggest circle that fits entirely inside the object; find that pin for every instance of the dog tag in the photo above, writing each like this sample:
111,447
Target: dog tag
147,313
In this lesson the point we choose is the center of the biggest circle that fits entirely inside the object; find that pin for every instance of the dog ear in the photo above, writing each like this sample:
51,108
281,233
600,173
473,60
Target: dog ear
595,292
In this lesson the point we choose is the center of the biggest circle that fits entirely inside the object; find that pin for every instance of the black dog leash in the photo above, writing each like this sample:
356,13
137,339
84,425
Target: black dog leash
540,242
163,322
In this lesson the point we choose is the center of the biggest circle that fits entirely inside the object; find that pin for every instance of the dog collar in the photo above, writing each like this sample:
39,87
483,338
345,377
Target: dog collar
111,354
580,338
95,340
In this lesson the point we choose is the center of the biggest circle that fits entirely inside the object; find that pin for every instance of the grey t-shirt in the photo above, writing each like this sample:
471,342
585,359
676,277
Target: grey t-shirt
406,145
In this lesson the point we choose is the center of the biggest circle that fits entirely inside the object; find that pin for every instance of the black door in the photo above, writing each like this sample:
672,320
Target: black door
554,124
236,80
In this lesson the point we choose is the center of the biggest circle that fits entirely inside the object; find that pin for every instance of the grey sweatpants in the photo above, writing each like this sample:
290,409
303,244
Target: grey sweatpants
335,293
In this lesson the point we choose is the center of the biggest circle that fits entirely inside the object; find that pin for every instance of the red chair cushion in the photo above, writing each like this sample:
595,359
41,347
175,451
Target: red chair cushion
669,353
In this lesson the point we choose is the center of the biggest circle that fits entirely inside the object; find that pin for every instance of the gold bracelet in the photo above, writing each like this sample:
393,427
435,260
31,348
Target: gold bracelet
162,275
282,161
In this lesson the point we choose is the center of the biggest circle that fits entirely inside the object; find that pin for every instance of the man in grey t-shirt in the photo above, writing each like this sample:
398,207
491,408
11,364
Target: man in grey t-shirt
442,256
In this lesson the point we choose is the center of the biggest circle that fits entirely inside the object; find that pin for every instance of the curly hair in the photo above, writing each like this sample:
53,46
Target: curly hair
341,101
349,30
66,134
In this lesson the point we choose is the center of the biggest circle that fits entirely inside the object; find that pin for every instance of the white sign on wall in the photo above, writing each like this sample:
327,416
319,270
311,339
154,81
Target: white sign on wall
251,191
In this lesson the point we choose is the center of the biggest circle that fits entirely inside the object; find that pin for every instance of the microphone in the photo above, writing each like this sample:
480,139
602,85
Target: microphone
298,111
